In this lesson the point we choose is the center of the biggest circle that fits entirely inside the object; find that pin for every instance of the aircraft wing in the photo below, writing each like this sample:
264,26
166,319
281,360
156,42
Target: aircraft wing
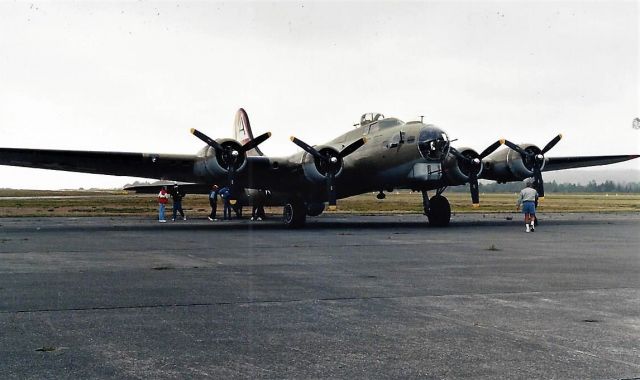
153,188
560,163
146,165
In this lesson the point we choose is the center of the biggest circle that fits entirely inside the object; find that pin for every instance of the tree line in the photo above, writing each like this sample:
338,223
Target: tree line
554,187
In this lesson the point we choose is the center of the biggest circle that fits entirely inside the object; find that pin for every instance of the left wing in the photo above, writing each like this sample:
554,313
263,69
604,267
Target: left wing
560,163
146,165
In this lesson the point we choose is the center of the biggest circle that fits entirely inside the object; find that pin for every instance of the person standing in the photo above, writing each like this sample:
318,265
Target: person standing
163,199
527,199
257,210
213,202
225,194
177,194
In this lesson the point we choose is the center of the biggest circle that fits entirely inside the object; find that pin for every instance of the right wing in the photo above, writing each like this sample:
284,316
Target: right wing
261,172
146,165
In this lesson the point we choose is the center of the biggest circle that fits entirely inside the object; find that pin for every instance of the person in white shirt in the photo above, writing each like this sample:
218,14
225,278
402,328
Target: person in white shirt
527,200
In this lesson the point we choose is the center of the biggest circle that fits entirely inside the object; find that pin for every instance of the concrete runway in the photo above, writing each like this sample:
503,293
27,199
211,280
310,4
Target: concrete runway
348,297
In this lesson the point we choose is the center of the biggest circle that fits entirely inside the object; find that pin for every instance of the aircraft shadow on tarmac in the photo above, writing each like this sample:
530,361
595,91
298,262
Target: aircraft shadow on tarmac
338,223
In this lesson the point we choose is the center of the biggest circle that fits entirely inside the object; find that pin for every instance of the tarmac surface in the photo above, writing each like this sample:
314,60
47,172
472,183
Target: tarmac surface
350,296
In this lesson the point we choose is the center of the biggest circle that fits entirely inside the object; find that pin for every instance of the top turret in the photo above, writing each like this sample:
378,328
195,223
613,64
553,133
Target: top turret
369,118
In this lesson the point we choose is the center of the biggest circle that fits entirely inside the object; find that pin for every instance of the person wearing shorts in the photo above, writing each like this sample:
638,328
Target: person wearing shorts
527,200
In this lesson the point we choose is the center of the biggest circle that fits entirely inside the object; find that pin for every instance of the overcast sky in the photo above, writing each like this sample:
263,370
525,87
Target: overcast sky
136,76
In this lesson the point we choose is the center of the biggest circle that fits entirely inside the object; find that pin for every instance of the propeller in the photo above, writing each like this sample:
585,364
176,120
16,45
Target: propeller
474,165
330,162
537,160
231,155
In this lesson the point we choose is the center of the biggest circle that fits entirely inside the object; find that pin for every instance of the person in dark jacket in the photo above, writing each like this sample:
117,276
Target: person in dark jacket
213,202
177,194
225,194
257,211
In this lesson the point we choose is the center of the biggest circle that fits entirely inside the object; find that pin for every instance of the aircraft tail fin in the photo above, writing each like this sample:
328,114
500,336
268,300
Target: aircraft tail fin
242,131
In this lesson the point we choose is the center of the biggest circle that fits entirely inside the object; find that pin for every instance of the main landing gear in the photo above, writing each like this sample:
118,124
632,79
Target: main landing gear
437,209
294,214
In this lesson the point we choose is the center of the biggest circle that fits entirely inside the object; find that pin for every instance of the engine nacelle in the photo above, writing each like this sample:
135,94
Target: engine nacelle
217,163
457,171
518,167
317,171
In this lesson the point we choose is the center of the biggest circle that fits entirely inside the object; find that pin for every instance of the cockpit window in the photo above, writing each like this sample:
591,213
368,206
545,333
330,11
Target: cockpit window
433,143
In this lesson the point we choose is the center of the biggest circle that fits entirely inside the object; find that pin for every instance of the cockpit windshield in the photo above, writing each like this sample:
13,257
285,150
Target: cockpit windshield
390,122
433,143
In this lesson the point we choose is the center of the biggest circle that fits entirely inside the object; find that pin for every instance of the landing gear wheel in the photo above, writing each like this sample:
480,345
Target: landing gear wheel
294,214
439,211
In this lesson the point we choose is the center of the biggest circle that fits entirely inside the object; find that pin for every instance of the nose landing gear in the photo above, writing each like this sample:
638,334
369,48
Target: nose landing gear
437,209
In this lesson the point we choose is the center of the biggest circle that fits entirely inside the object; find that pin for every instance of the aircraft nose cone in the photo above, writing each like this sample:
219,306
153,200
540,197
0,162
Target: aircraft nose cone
433,143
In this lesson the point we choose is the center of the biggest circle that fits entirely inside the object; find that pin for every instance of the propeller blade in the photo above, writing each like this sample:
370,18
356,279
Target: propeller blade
208,140
308,148
232,171
352,147
473,174
538,161
255,142
330,161
515,147
538,182
473,187
551,143
491,148
475,165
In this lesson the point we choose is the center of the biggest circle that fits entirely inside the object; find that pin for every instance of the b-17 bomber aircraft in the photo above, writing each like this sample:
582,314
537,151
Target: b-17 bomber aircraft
379,154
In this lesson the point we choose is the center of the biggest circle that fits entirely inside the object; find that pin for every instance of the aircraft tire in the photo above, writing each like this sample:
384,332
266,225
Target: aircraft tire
315,209
294,214
439,211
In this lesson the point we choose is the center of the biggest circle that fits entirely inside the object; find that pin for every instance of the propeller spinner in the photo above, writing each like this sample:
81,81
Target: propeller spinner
329,162
536,160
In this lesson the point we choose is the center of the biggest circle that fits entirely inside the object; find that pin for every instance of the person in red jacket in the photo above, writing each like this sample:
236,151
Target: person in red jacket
163,199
